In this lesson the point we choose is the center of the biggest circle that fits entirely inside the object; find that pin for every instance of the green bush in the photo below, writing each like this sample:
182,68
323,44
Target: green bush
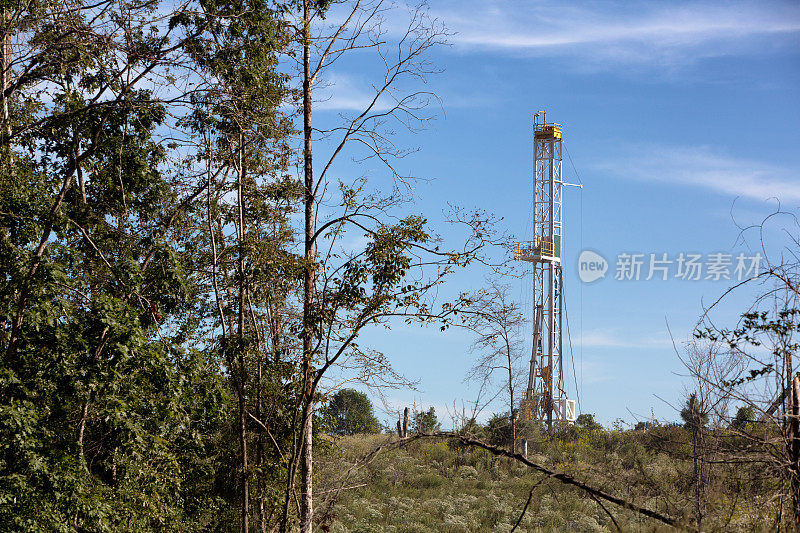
350,412
425,421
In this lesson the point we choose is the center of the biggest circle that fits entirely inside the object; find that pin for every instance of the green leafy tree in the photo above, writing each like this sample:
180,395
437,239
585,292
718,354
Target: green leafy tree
393,276
350,412
242,234
498,429
425,421
744,419
104,405
694,414
586,421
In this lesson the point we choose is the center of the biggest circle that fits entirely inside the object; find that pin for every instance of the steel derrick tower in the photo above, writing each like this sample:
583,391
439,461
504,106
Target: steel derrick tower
545,399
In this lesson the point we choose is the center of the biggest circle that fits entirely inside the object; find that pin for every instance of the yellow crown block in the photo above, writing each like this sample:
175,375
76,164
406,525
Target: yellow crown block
549,131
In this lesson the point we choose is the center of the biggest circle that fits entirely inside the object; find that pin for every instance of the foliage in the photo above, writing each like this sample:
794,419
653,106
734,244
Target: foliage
744,419
425,421
350,412
498,429
586,421
115,407
694,414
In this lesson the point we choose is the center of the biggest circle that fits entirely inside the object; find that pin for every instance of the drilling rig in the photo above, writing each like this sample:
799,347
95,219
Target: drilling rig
545,399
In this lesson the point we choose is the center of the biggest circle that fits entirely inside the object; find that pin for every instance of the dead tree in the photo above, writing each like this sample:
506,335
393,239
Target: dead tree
695,418
496,321
753,366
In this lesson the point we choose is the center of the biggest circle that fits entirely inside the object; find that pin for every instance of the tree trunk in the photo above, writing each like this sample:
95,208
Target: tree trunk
240,388
511,417
698,451
405,422
307,502
794,450
262,521
6,131
245,475
307,457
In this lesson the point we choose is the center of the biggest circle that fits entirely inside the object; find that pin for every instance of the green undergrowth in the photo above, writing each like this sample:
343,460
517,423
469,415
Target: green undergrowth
436,485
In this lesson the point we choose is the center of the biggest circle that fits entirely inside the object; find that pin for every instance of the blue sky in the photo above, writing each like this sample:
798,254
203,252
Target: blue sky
682,120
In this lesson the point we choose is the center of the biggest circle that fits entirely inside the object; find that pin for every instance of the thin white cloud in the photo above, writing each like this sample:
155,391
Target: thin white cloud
341,92
623,32
593,371
701,166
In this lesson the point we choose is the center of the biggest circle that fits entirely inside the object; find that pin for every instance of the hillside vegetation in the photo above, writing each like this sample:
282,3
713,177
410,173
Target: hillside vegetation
440,485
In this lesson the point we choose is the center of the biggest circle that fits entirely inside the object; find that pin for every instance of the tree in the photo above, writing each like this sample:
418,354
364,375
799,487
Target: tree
350,412
695,418
124,206
498,429
496,321
694,413
752,364
739,372
393,276
99,387
242,255
586,421
425,421
745,417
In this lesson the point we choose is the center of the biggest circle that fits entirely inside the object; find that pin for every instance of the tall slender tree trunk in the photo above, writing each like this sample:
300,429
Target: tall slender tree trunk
4,82
307,457
245,486
794,448
262,521
511,416
697,413
240,345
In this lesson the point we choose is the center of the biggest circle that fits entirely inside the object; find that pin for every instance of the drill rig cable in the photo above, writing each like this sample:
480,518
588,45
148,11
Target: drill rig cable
580,303
571,355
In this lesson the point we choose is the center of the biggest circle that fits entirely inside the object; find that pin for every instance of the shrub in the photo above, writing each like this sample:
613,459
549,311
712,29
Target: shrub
745,416
349,412
587,421
425,421
498,429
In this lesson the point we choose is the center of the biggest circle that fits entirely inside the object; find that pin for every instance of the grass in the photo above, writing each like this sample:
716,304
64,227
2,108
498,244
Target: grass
442,487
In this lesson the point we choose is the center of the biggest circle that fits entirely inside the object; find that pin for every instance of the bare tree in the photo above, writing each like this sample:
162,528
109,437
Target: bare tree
705,412
751,366
497,322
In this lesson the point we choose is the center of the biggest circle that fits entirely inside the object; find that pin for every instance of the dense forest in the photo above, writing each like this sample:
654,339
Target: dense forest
180,280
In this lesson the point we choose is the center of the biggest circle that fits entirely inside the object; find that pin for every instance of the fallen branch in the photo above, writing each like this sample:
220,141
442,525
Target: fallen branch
528,502
566,479
594,493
